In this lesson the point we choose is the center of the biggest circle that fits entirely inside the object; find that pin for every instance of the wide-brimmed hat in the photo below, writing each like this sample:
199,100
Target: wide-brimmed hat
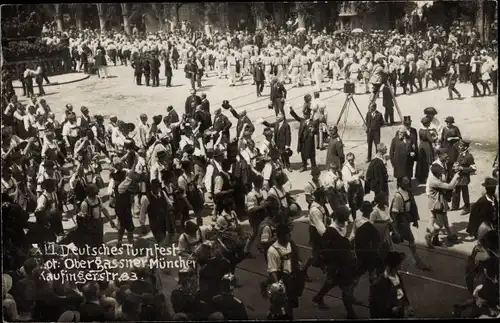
490,182
430,111
449,120
394,259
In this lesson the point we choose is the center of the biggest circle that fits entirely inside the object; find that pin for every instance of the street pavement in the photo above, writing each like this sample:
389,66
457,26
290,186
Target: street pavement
433,293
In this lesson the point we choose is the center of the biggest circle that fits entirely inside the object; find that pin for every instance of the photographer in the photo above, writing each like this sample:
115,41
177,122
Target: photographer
378,77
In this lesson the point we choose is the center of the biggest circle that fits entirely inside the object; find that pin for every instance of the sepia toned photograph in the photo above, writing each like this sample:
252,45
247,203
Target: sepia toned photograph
236,161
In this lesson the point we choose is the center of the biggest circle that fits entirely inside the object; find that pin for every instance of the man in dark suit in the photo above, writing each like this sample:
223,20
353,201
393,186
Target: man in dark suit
191,70
242,118
221,125
306,145
485,210
155,71
412,137
205,104
189,109
168,72
259,77
335,150
282,137
91,310
374,121
137,66
278,96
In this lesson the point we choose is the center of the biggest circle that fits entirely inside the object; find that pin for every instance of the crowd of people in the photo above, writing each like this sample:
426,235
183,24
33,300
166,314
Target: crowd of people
181,172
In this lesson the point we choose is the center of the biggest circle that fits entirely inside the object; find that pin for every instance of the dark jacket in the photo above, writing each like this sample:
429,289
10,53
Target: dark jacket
221,123
278,91
399,154
137,66
91,312
190,99
383,297
258,74
155,65
373,124
335,152
168,68
282,134
147,67
305,143
241,122
377,178
482,211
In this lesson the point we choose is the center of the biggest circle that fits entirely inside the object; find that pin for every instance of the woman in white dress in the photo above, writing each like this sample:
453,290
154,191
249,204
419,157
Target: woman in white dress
317,73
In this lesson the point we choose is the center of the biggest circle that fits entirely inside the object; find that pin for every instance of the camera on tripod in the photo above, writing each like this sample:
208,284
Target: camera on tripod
349,88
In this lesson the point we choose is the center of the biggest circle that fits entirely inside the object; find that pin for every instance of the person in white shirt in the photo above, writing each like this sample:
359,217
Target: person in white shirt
256,209
352,177
280,259
70,132
318,115
319,219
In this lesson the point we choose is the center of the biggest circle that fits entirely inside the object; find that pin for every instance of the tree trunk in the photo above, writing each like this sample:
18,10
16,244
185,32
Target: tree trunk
79,16
279,13
151,22
259,14
300,15
126,20
102,17
58,17
206,19
480,19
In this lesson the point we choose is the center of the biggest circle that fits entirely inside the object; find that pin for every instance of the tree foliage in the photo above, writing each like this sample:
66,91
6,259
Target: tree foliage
365,6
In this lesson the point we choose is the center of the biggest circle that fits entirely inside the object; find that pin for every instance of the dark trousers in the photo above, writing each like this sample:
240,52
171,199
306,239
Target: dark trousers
462,72
494,81
198,78
452,89
86,68
41,91
331,282
420,84
412,84
175,63
278,107
304,156
45,78
285,158
169,81
156,79
25,92
138,78
389,115
373,138
259,86
29,87
475,89
147,77
193,81
486,87
455,197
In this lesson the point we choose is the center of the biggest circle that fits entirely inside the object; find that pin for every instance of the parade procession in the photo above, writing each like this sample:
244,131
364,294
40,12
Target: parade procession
253,161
